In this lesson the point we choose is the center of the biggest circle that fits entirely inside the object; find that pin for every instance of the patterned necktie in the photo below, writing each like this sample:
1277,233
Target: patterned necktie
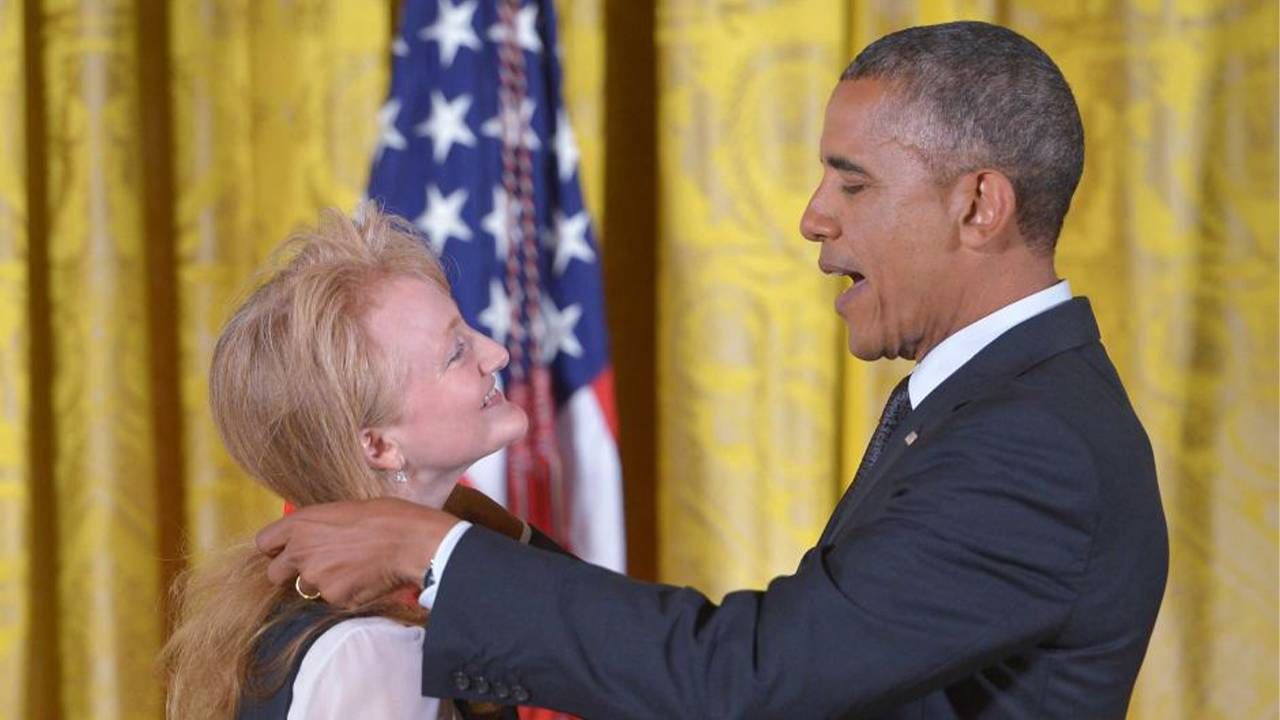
897,408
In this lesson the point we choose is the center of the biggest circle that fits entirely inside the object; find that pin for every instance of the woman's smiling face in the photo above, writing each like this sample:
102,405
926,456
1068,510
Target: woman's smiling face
452,411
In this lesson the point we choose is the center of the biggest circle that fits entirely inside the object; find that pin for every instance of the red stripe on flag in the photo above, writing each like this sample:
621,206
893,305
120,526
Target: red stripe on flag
602,386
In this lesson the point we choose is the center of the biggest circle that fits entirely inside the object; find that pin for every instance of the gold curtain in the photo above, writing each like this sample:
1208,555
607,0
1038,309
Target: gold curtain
1173,234
151,152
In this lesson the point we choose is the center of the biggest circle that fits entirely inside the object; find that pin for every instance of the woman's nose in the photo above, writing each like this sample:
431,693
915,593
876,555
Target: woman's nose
493,357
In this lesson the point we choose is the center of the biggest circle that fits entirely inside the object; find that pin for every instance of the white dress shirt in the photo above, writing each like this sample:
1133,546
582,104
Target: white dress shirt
932,370
369,667
960,347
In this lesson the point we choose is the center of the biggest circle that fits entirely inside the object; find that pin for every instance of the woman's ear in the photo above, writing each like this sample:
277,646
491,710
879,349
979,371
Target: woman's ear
381,452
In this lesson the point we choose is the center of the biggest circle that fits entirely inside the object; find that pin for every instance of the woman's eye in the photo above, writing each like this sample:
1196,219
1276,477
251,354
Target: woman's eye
457,353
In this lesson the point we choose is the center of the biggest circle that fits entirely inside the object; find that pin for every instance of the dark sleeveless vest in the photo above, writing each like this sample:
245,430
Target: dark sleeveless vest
274,642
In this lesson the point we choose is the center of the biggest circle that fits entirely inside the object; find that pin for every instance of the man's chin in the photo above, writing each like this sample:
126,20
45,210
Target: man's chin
864,351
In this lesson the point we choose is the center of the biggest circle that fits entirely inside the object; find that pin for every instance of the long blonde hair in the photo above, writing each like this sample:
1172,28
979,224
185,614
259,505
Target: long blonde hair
294,379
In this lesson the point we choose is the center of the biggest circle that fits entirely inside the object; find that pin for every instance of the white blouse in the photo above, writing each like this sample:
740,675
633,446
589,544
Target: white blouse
368,667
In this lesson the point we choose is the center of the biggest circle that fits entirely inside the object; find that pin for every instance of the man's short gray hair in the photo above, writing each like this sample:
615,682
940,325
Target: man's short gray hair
970,95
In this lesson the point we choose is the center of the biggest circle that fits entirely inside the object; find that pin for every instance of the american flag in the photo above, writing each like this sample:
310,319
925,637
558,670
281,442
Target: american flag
476,149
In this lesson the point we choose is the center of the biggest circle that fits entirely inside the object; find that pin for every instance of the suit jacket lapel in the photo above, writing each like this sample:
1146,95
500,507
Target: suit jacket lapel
1065,327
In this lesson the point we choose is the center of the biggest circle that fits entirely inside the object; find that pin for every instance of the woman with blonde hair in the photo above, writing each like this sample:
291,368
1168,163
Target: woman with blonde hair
348,374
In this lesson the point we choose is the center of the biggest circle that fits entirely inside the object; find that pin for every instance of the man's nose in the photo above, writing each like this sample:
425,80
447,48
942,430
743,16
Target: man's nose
815,224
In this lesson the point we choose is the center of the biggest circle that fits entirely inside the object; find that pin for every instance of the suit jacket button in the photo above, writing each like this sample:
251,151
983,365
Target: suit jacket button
480,684
461,681
519,694
501,691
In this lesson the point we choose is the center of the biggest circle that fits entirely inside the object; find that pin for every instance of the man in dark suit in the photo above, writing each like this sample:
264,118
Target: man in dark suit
1002,551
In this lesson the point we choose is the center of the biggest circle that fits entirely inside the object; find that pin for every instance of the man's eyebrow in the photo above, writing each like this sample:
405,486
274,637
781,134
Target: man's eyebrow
845,165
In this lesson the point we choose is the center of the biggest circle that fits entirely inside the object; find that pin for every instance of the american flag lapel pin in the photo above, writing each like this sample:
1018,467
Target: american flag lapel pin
911,437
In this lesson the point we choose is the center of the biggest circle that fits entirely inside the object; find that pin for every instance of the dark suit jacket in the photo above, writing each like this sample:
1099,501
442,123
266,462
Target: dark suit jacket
1008,562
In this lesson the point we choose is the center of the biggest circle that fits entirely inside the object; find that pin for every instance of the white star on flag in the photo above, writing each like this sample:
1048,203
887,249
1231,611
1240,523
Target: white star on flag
566,147
526,30
495,127
399,47
452,30
447,125
555,332
497,316
388,135
442,218
495,223
569,239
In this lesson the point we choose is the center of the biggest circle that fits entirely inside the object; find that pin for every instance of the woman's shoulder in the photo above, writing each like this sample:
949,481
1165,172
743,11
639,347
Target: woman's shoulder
362,646
358,636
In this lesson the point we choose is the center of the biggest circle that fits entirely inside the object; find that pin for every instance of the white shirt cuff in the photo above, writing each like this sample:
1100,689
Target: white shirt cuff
428,596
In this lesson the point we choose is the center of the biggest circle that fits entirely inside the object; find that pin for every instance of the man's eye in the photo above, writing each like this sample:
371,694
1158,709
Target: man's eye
851,189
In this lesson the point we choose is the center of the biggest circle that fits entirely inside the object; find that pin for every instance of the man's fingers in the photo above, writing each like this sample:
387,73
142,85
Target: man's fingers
341,512
272,538
355,595
355,550
282,569
341,595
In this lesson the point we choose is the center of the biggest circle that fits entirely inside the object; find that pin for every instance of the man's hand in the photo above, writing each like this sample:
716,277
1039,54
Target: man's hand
355,551
477,508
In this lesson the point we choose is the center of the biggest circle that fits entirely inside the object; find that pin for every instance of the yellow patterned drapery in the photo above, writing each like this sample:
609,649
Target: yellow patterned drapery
151,152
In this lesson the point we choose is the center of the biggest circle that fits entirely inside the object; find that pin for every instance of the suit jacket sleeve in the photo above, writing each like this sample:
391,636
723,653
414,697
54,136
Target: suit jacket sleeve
979,553
542,541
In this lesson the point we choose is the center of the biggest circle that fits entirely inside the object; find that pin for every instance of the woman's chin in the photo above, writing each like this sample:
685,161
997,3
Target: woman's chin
511,430
515,425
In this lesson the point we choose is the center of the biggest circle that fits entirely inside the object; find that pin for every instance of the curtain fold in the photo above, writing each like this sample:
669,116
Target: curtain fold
16,612
275,112
174,145
747,350
101,431
582,32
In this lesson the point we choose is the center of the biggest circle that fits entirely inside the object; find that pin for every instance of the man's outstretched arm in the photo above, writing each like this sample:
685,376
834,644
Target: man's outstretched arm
981,559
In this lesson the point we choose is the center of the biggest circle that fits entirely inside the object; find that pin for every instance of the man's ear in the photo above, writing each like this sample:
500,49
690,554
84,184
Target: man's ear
988,211
380,451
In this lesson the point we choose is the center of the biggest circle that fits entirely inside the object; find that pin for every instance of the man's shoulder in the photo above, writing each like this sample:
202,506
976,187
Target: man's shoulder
1077,392
1065,423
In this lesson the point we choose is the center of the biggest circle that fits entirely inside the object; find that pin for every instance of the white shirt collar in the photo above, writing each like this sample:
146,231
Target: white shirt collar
953,352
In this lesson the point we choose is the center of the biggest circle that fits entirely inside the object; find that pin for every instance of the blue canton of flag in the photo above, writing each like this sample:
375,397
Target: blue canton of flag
445,159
